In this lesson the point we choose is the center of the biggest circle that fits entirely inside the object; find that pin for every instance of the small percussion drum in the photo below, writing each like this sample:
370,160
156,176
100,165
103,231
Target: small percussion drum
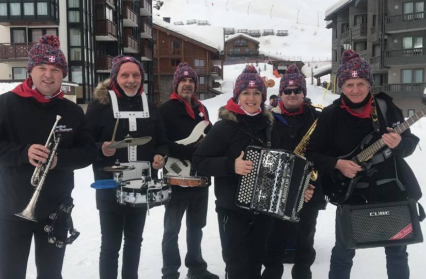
143,192
188,181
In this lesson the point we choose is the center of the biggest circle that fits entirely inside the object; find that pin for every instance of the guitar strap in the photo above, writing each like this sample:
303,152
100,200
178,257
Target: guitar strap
375,116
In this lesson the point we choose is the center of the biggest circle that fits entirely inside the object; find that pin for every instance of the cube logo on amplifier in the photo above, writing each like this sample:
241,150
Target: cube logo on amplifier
379,213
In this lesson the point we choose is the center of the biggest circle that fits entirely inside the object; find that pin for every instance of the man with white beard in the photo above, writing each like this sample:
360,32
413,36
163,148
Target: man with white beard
123,92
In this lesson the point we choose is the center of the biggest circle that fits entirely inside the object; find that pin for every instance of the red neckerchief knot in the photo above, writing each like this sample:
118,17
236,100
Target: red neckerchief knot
188,107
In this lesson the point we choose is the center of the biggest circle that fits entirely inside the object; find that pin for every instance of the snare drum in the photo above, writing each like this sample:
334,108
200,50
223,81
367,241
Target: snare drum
140,193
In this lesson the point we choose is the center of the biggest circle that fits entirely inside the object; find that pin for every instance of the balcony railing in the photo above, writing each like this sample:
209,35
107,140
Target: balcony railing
375,63
130,19
402,90
201,70
405,56
130,42
344,37
146,9
406,22
146,53
15,51
106,28
147,32
241,44
104,63
359,31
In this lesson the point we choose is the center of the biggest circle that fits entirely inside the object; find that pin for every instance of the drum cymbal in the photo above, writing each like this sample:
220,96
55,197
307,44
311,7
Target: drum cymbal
132,141
118,168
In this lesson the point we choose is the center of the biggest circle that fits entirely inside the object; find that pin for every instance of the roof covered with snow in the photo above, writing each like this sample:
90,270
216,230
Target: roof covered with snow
231,37
211,36
339,5
323,70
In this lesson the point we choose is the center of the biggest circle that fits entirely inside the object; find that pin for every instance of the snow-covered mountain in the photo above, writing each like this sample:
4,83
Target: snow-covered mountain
308,38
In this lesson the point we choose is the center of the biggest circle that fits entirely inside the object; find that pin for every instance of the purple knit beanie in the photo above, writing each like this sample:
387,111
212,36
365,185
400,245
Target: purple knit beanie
353,66
120,60
47,51
183,70
249,78
293,77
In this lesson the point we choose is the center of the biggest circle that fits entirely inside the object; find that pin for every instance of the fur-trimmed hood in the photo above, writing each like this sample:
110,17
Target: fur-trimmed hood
225,114
101,92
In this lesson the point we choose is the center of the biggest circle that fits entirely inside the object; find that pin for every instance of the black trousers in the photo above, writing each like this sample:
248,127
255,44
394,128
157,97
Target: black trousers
15,244
278,243
243,236
130,221
194,202
342,260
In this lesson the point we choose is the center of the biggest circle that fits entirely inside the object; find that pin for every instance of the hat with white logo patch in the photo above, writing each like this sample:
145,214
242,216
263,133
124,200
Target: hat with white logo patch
249,78
293,77
353,66
183,70
47,51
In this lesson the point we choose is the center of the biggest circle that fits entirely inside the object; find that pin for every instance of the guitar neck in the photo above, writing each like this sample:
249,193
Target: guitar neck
372,149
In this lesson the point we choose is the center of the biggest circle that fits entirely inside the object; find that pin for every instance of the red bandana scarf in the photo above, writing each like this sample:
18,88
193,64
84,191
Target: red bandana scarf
366,112
286,112
234,107
188,107
25,90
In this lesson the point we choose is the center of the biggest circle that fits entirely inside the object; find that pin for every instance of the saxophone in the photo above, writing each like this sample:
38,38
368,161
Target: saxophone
301,147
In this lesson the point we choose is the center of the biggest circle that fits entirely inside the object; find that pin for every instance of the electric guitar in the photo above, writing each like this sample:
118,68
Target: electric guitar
178,167
339,188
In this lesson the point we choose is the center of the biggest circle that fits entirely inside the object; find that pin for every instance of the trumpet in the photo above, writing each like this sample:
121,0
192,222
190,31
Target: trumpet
40,173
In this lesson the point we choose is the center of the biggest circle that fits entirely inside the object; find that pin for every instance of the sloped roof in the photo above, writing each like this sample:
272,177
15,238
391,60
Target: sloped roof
234,36
338,6
209,37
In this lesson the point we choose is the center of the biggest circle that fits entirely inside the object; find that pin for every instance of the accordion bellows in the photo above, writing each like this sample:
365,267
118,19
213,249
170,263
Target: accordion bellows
276,185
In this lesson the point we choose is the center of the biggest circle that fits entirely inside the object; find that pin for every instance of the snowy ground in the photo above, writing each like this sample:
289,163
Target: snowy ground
81,260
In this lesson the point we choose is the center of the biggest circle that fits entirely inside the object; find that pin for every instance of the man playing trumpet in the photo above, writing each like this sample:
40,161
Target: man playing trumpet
27,114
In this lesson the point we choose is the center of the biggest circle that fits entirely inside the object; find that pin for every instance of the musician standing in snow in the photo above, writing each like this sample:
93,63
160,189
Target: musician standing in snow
181,114
244,121
123,92
345,125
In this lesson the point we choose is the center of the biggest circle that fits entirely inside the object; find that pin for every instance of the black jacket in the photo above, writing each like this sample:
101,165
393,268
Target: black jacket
217,153
179,125
101,124
338,133
291,130
25,121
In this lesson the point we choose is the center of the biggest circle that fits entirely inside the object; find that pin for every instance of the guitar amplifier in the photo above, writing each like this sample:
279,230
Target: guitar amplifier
381,224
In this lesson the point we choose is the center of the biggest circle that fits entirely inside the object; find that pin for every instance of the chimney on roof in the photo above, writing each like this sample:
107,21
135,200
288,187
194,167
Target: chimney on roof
166,19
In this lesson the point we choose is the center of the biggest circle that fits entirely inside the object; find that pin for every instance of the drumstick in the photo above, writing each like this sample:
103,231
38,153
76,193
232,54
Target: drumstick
115,130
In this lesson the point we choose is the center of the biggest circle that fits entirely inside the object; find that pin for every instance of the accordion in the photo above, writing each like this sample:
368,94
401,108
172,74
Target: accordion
380,224
276,185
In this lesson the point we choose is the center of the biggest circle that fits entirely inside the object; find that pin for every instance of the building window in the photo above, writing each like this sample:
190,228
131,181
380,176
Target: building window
15,9
75,37
75,54
175,62
18,36
29,9
74,16
412,76
3,9
36,34
19,73
202,79
360,46
412,45
42,8
74,3
77,74
175,47
345,27
360,19
199,63
413,10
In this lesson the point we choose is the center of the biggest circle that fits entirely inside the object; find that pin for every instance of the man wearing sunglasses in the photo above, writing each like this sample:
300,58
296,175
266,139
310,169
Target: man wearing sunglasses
293,118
